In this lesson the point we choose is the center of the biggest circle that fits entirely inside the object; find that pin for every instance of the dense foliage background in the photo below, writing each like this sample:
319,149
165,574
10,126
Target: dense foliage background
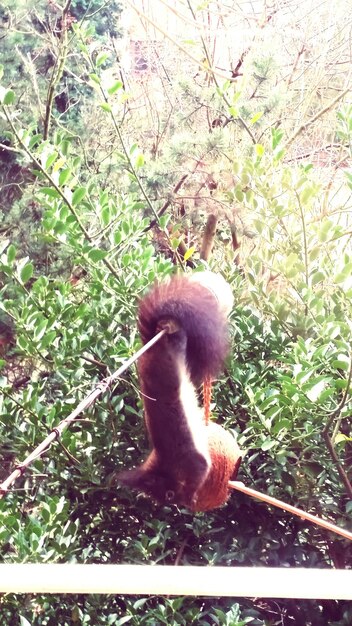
110,167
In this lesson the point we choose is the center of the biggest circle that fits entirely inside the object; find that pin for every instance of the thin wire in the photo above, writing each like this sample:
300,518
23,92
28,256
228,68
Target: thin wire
56,432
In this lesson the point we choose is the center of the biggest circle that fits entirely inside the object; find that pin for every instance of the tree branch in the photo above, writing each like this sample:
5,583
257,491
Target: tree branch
328,440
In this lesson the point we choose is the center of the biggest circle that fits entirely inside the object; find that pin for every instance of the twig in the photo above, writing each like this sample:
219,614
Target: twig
315,117
214,74
335,458
167,203
305,245
180,552
70,456
56,187
329,442
118,132
58,69
204,66
291,509
208,237
56,432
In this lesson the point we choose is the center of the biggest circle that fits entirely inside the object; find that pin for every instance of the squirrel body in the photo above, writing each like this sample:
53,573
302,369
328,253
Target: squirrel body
193,311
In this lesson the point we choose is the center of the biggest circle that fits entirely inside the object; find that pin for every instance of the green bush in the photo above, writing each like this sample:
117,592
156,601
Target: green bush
70,278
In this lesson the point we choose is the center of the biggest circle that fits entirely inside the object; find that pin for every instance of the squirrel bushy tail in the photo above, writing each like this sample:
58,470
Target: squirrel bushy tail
198,304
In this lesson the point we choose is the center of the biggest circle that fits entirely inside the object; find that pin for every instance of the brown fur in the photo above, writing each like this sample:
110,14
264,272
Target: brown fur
184,457
203,336
225,458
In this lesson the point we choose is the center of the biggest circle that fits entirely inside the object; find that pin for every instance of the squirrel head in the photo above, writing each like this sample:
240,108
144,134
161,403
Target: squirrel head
150,481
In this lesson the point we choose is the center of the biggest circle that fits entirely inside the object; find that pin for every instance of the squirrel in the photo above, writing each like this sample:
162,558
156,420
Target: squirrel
193,312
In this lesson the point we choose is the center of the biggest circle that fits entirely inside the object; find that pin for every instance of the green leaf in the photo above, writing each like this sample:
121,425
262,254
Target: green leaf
164,220
314,253
96,255
27,272
317,277
239,194
95,78
106,107
22,343
50,160
64,176
175,242
64,147
9,97
60,227
40,329
259,149
137,205
291,260
307,193
11,254
59,164
140,603
105,215
34,140
117,237
125,227
280,154
341,363
101,58
268,444
344,274
325,229
49,191
78,195
115,87
276,136
282,424
304,375
48,338
256,117
327,393
249,195
316,390
123,620
259,225
139,162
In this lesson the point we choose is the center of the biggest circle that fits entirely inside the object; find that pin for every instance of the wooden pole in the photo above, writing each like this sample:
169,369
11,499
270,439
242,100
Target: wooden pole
237,582
318,521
